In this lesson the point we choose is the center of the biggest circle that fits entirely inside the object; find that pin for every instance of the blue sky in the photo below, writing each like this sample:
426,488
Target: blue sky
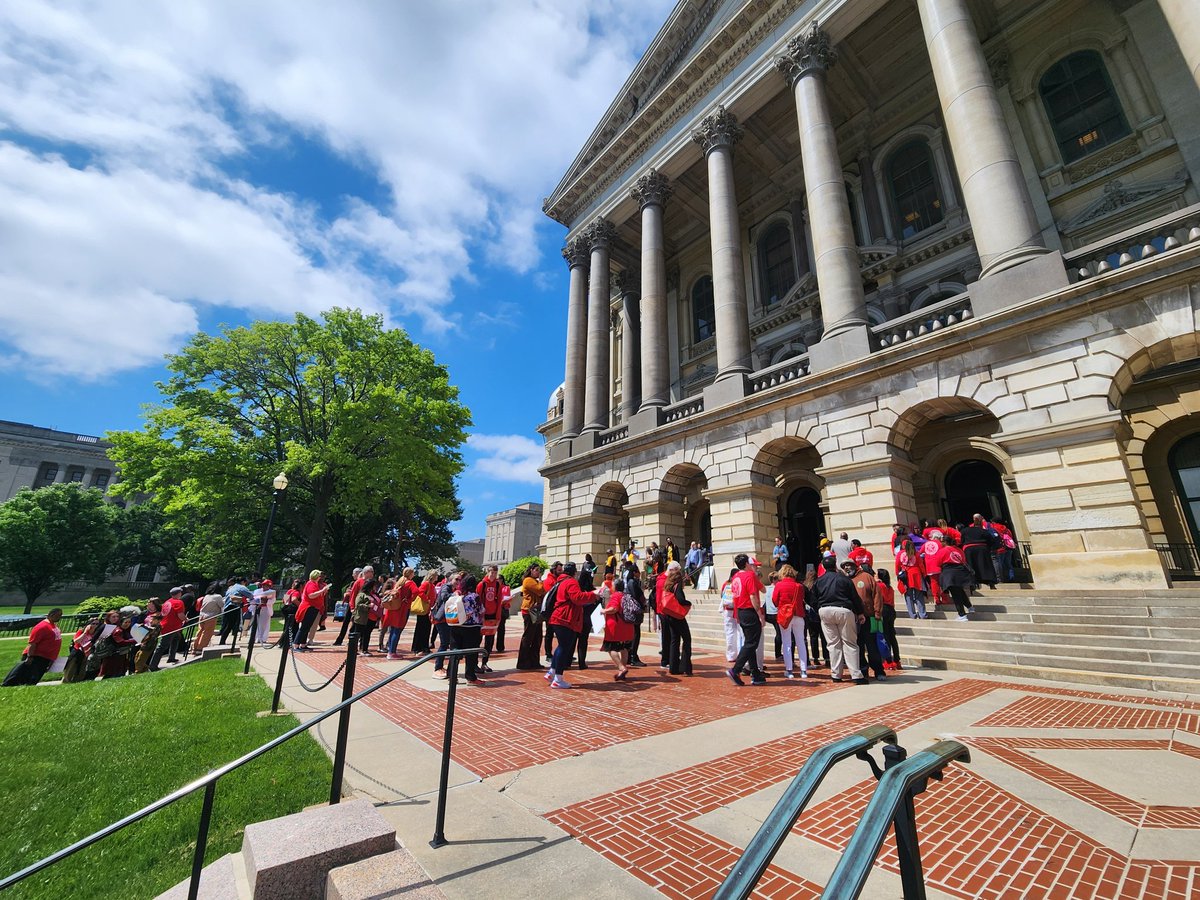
172,167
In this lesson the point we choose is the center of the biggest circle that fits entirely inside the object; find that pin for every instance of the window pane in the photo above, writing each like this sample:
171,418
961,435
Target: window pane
1189,479
702,309
1081,105
779,270
915,199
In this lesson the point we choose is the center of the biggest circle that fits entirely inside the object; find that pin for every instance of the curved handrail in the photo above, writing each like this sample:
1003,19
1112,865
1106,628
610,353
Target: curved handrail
215,774
740,882
893,790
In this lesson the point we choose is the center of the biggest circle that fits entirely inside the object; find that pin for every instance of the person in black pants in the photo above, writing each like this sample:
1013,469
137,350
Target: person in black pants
679,650
633,587
746,589
231,615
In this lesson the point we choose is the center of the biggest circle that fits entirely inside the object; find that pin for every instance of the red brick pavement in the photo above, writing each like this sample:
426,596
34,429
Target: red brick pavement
1054,712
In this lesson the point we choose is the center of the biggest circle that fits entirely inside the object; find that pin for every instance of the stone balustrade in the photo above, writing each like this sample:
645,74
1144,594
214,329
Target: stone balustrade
1160,236
780,373
612,435
925,320
676,412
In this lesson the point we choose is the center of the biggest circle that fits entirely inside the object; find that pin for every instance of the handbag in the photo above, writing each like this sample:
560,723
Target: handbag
669,605
419,606
339,610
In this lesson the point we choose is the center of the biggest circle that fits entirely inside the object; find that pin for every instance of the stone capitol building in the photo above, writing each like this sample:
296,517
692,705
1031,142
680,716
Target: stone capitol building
837,264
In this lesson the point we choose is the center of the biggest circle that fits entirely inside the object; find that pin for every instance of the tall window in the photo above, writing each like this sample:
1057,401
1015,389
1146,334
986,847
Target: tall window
1185,466
47,474
778,263
913,183
1081,105
702,310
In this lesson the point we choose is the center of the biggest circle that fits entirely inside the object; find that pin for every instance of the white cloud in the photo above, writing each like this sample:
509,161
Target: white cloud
467,111
507,457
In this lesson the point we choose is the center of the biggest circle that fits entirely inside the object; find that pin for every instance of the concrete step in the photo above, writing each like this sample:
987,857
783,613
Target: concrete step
394,874
1110,615
290,857
1029,657
1175,653
1107,679
221,880
1135,630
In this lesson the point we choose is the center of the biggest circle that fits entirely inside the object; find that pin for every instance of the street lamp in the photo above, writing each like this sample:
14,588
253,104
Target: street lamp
280,484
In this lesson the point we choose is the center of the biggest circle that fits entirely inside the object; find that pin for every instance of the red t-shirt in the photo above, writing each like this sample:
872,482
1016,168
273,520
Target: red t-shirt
616,629
172,615
569,603
489,593
862,556
950,556
788,598
307,599
886,593
745,584
45,640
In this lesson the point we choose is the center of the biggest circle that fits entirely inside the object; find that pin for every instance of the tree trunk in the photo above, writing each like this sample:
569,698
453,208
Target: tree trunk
322,495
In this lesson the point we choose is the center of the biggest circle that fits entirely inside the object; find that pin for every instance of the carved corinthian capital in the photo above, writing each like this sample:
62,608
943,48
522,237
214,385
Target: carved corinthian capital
599,234
652,189
806,54
576,252
721,129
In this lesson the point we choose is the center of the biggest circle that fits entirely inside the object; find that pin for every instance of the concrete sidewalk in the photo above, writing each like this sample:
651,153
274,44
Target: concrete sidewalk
653,787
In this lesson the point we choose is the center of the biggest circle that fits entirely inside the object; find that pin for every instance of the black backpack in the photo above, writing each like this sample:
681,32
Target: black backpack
542,612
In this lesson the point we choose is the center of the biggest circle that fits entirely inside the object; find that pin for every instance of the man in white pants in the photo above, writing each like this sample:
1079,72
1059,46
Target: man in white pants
841,612
264,598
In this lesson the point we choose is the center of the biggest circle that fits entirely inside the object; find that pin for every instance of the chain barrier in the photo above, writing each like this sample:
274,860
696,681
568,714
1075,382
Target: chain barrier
313,690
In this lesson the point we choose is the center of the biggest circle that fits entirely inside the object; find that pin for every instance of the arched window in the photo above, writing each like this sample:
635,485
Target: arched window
912,180
1081,105
702,310
1184,461
777,262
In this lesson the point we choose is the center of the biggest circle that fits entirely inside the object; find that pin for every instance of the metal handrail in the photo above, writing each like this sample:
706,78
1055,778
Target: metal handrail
741,880
208,782
891,803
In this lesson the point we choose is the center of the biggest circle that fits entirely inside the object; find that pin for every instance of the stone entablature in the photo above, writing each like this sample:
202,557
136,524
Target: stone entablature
29,454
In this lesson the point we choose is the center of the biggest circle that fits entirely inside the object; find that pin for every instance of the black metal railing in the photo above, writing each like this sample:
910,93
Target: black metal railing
1182,561
892,805
208,783
762,848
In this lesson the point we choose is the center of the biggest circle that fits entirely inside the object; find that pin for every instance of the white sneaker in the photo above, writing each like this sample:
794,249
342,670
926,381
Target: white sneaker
789,675
549,676
560,684
804,674
963,617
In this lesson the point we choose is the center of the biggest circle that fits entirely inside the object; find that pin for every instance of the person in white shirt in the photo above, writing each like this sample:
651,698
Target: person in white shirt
264,600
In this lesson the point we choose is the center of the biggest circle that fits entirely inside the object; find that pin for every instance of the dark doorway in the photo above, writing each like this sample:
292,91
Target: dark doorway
974,486
1184,461
803,523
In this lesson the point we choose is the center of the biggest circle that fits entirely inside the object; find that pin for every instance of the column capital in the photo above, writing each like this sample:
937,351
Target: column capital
721,129
599,235
652,189
806,54
576,252
623,282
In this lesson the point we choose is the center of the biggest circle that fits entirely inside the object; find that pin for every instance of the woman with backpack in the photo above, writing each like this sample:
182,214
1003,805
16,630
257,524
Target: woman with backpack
464,614
532,592
618,630
634,597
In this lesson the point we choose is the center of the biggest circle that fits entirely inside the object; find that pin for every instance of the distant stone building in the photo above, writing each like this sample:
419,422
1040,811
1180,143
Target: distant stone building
471,551
35,457
512,534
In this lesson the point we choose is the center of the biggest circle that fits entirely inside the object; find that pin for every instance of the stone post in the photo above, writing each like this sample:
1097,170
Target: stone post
1183,17
576,255
631,346
651,192
716,135
598,389
835,251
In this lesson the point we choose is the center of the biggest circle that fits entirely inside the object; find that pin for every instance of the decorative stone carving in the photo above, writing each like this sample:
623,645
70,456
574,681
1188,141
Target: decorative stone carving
673,279
653,188
599,234
623,282
1116,196
576,252
806,54
997,62
721,129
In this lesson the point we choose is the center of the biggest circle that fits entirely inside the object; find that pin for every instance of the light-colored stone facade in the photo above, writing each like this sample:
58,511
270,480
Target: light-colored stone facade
32,456
1030,352
512,534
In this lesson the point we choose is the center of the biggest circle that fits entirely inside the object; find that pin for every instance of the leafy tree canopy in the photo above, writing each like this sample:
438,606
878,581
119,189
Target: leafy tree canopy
364,423
55,534
514,572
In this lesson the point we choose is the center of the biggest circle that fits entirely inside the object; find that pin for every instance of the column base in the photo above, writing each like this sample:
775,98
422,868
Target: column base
584,443
838,349
1107,570
724,391
1040,275
560,451
645,420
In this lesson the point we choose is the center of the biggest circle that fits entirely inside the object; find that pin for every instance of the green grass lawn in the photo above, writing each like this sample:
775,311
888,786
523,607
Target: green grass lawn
80,756
10,655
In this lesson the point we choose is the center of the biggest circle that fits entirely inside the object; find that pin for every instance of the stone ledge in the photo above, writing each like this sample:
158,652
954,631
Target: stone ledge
394,874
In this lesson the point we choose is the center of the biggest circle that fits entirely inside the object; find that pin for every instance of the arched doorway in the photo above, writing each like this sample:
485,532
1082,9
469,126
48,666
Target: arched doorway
804,523
974,486
1184,460
610,519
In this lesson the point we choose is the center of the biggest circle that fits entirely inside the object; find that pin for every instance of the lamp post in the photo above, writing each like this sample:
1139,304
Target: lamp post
280,484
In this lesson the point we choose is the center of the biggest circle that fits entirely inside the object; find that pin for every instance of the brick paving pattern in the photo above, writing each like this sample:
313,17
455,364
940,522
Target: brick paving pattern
1053,712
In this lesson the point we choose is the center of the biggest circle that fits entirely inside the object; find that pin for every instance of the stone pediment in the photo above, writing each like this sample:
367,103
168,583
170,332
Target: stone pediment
1121,199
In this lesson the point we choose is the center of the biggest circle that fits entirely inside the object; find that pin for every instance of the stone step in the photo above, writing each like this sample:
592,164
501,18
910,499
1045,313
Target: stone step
1137,629
1029,657
1143,682
1174,653
394,874
1111,615
290,857
223,879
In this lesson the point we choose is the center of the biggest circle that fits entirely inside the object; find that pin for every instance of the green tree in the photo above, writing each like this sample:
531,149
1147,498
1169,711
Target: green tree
145,536
514,572
358,416
59,533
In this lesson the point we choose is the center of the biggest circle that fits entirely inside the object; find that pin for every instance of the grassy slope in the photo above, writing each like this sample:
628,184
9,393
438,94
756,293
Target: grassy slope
81,756
10,655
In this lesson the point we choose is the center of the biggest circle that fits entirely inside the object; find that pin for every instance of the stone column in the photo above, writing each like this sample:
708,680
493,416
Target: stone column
576,255
1183,17
800,236
843,305
993,186
651,192
631,346
717,134
598,389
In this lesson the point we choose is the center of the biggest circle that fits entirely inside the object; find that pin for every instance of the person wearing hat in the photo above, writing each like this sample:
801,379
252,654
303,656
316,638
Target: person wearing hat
312,604
841,612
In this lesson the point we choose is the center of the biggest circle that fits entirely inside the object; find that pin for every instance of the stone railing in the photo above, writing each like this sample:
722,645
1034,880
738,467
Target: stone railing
1160,236
681,410
780,373
934,317
612,435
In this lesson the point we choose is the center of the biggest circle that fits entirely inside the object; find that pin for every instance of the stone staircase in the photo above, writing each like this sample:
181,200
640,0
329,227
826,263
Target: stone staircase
343,852
1149,640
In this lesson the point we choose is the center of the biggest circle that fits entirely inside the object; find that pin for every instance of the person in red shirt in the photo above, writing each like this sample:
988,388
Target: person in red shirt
396,605
566,621
956,578
427,592
788,598
45,643
492,597
552,576
171,621
910,570
746,589
861,555
887,597
312,606
618,635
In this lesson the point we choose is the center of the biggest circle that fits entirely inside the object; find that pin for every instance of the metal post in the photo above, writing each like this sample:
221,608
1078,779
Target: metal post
908,850
262,573
343,735
201,840
284,643
439,828
250,646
